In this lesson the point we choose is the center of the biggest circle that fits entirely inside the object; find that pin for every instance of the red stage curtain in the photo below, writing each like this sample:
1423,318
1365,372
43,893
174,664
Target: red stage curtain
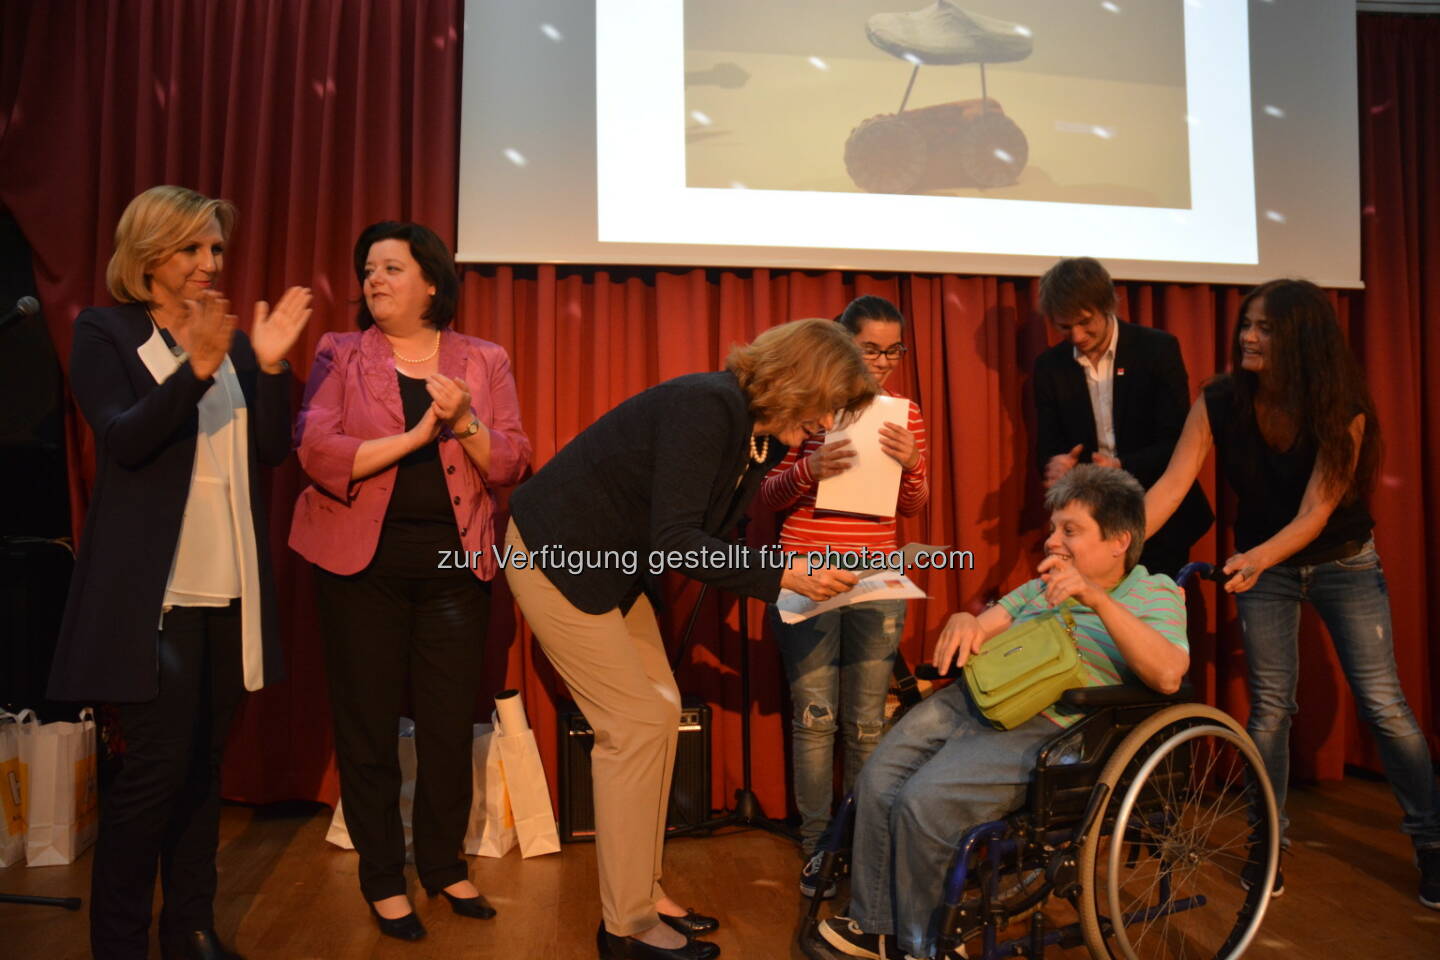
317,118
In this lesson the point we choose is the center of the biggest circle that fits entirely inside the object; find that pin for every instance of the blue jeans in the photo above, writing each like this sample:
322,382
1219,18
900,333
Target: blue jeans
1351,597
939,772
839,666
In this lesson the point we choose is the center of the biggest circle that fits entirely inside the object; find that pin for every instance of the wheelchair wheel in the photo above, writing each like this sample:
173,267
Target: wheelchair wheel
1191,810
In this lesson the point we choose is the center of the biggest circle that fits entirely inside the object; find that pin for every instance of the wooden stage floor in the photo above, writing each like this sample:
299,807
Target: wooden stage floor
285,893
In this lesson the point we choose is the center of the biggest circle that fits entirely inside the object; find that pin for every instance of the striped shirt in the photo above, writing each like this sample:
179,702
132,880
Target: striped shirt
1152,597
790,486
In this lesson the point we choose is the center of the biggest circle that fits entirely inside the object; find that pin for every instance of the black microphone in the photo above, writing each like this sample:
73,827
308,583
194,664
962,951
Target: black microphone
24,307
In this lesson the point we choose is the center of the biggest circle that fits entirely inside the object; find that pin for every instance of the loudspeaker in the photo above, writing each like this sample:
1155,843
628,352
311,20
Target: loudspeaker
689,788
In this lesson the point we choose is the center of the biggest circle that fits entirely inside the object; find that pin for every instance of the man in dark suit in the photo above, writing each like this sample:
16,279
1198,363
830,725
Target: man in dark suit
1114,394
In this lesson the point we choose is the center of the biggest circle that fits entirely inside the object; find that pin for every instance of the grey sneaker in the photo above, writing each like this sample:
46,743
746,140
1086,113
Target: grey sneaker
810,876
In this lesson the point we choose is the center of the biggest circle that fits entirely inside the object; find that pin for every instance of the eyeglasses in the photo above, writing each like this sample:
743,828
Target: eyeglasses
894,352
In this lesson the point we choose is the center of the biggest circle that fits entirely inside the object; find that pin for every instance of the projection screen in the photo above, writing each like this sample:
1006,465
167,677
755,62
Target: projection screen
1190,140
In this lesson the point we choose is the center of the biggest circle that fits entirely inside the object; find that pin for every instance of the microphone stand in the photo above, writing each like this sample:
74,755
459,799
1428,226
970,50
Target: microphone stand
747,814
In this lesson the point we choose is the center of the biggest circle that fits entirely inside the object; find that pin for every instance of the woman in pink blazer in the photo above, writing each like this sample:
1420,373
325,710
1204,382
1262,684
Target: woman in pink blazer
406,429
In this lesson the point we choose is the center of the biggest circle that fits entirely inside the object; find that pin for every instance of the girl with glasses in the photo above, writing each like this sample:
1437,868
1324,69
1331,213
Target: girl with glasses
839,663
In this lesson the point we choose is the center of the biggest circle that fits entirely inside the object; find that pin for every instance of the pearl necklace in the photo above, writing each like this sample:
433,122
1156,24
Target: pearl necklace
759,455
422,359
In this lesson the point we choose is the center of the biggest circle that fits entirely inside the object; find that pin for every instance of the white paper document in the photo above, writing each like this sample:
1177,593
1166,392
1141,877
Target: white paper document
880,585
872,484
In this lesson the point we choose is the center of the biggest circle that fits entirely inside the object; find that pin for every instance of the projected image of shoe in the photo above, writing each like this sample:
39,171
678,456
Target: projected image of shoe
964,143
942,33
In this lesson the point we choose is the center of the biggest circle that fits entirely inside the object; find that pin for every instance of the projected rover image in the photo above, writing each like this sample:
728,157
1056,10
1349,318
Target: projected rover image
1050,100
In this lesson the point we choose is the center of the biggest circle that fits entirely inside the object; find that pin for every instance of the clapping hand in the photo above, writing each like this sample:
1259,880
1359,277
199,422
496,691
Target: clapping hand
275,331
206,332
451,399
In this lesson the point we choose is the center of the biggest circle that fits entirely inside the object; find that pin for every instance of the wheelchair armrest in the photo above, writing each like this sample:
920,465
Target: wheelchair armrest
1124,695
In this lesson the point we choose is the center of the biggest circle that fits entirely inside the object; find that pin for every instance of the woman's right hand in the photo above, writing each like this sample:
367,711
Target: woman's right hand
206,334
961,637
820,585
426,429
830,458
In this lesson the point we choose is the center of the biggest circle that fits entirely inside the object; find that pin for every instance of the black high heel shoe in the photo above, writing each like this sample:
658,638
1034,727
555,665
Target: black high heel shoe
692,924
611,947
477,906
407,927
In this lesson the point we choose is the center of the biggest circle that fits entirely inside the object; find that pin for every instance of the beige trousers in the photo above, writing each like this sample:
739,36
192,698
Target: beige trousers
617,671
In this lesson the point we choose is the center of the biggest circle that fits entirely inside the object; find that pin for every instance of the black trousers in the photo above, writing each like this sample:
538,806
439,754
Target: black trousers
386,637
162,804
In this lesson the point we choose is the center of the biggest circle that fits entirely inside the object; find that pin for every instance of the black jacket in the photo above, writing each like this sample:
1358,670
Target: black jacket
1151,401
144,455
657,473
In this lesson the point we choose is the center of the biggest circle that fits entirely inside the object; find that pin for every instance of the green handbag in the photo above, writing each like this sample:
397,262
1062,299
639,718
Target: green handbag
1027,668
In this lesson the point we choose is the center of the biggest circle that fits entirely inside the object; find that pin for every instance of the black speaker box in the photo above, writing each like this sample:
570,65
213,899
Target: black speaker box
689,788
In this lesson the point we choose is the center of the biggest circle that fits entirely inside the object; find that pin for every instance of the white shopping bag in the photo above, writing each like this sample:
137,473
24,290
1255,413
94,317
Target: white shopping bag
12,787
524,776
491,832
57,768
339,835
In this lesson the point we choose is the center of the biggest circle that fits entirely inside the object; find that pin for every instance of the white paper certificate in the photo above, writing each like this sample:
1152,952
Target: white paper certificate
882,585
872,484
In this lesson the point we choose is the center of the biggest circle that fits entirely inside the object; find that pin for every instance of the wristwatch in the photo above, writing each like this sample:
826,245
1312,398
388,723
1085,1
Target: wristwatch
471,430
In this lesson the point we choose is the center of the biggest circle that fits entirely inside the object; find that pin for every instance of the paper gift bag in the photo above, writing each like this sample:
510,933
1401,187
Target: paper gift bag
491,832
524,778
57,768
339,835
12,788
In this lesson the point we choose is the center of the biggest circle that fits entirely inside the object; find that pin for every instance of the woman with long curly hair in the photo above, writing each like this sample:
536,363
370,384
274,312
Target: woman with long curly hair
1300,446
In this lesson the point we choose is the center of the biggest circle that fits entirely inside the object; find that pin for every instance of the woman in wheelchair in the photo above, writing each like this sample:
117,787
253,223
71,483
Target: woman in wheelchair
1298,442
944,769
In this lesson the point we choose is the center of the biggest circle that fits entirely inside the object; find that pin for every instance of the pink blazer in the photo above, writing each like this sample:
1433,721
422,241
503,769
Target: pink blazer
353,396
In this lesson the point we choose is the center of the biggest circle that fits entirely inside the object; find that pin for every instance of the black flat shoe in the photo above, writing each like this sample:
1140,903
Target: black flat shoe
407,927
692,924
195,945
476,906
612,947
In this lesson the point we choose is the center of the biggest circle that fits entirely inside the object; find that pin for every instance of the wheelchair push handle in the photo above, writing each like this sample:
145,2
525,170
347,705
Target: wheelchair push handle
1200,570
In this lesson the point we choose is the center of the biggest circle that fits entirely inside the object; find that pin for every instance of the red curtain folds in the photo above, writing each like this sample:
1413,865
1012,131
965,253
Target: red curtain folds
319,117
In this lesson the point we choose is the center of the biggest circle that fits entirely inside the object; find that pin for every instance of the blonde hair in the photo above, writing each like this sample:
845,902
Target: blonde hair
154,226
800,370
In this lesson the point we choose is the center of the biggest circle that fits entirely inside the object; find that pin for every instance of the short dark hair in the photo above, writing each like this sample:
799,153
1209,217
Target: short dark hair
1114,498
1075,284
429,252
868,307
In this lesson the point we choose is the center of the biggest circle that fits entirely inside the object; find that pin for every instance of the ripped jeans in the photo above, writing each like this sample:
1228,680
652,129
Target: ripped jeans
1352,598
838,665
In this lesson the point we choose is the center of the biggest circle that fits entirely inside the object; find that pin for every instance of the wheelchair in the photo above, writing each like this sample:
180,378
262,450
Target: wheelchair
1152,817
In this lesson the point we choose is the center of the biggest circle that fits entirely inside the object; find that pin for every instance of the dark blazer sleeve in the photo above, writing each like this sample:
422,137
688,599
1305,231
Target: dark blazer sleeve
1050,439
131,428
270,395
691,453
1167,404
